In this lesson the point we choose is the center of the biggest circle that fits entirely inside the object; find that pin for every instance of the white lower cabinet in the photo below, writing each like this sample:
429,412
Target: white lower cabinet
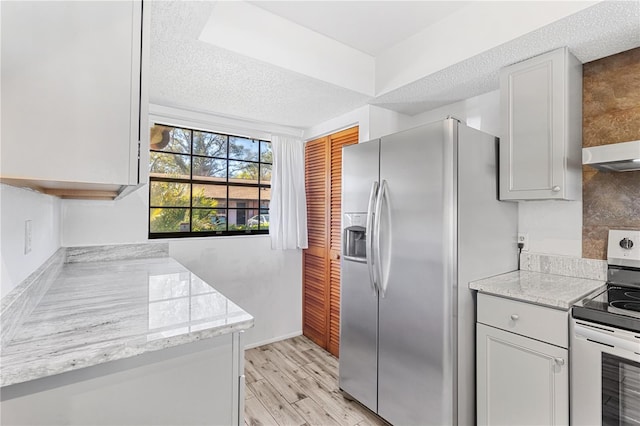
200,383
520,380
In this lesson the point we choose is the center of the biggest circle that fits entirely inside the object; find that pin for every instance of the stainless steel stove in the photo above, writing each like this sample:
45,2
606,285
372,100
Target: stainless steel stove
605,342
619,304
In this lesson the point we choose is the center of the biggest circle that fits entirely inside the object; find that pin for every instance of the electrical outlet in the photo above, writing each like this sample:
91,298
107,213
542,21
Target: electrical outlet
27,236
523,239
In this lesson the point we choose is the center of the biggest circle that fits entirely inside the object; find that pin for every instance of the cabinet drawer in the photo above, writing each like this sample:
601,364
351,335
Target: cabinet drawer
538,322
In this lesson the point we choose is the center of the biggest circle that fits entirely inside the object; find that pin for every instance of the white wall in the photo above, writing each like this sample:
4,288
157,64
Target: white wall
373,122
266,283
480,112
357,117
16,206
553,227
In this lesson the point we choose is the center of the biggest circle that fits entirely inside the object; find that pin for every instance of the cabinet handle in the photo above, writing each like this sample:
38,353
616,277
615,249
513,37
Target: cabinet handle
515,317
556,188
559,361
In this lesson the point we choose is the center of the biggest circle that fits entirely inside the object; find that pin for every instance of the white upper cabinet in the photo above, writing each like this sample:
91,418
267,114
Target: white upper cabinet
541,110
73,100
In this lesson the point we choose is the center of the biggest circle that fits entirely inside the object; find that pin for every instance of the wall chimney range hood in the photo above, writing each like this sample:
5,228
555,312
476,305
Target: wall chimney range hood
616,157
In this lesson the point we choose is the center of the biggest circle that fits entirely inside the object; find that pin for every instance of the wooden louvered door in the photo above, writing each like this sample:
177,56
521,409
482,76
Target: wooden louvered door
314,262
321,261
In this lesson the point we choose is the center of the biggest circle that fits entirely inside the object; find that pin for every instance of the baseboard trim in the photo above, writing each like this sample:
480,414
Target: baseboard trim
274,339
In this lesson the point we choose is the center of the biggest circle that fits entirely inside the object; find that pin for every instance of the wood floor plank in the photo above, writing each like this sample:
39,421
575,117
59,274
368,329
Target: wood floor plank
256,356
314,414
294,371
322,374
302,343
300,375
319,355
292,352
288,388
248,394
369,417
256,415
275,404
251,373
332,402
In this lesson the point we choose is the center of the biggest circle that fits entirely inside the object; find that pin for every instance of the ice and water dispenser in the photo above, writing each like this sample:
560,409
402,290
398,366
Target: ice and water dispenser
354,238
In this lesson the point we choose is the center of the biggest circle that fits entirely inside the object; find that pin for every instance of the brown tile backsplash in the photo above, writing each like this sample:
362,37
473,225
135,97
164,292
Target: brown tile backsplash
611,113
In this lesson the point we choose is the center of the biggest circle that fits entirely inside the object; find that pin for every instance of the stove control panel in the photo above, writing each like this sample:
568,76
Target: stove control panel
624,248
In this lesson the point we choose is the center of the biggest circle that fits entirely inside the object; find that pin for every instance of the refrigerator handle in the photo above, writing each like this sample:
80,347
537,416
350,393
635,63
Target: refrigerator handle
377,258
383,274
369,236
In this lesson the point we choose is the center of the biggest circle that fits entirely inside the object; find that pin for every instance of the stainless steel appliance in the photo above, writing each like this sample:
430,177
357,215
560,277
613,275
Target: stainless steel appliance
605,341
427,203
615,157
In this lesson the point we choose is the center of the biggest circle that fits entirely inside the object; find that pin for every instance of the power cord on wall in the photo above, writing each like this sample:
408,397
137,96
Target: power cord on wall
520,247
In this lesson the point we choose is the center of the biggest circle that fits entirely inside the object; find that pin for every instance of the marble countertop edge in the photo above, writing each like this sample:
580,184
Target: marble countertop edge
79,318
554,291
117,352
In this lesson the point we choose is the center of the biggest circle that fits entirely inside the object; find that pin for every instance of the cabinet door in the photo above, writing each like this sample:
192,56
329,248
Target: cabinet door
71,91
536,148
520,381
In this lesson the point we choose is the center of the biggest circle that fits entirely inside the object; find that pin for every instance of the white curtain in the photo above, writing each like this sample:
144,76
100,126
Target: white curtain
288,207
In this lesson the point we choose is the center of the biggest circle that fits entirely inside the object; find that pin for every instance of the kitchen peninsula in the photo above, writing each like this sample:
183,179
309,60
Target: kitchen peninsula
136,339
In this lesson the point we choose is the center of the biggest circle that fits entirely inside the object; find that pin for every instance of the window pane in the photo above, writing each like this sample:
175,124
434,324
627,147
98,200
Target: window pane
209,169
169,165
209,195
264,222
265,173
243,148
264,206
220,222
243,196
240,219
207,220
169,194
210,144
170,139
169,220
266,154
265,196
243,170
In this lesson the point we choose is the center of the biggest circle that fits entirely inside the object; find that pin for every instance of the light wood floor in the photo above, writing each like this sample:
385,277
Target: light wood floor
295,382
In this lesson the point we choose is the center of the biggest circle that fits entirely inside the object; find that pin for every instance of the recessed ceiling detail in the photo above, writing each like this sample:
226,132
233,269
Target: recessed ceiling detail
213,76
371,27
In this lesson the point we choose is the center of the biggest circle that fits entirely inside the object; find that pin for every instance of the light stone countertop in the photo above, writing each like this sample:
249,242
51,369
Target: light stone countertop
95,312
556,291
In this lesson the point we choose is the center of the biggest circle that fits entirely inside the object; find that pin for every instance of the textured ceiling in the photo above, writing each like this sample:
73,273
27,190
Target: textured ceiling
191,74
198,76
369,26
601,30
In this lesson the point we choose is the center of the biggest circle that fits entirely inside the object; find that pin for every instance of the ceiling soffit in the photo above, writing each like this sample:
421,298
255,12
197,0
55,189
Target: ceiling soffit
240,85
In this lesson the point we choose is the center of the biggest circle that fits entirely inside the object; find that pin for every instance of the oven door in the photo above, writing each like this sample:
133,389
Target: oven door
605,375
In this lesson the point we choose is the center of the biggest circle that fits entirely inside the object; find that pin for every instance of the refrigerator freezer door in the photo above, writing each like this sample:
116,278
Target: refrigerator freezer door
358,304
415,314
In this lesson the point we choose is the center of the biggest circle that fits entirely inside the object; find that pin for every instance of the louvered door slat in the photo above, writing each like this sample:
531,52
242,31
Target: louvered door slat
338,141
314,294
321,264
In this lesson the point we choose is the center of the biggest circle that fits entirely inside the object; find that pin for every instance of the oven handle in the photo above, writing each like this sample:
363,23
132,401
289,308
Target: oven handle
606,339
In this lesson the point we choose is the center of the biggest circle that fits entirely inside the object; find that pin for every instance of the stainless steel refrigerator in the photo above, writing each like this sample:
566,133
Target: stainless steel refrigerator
420,220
